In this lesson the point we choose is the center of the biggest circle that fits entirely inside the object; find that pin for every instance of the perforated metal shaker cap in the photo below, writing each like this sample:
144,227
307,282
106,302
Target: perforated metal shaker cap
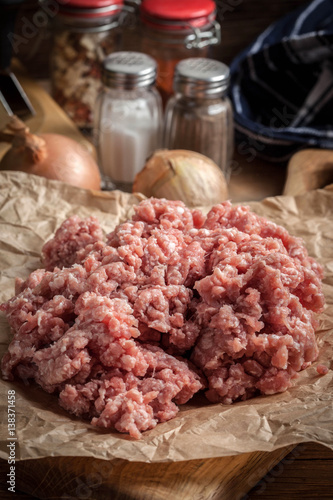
201,77
128,70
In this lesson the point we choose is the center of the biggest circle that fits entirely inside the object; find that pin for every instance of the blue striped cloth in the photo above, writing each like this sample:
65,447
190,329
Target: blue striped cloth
282,85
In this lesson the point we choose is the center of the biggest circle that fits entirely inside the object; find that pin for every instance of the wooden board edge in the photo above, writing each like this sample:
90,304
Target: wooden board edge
229,478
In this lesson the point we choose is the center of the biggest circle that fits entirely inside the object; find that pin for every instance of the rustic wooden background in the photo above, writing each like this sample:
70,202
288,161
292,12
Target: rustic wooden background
241,22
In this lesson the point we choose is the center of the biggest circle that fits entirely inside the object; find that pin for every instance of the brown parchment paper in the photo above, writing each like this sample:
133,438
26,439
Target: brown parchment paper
31,208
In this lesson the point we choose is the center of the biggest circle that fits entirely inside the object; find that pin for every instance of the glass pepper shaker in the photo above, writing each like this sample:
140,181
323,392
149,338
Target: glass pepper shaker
85,32
199,116
173,30
128,122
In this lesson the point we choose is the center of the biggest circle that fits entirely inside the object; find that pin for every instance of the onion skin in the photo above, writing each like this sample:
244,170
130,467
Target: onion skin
53,156
182,175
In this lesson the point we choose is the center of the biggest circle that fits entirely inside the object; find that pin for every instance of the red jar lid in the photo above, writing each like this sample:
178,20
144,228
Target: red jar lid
171,14
90,8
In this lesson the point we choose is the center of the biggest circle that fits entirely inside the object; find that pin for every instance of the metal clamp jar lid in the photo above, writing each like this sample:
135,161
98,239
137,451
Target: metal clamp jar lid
79,14
195,18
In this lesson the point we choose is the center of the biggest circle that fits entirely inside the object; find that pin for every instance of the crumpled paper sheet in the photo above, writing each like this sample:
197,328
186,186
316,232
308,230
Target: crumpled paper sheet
31,208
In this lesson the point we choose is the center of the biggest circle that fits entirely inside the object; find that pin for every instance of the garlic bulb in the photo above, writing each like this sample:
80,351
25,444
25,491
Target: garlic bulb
182,175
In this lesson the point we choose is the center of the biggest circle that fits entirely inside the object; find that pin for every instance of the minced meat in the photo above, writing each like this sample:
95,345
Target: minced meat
125,328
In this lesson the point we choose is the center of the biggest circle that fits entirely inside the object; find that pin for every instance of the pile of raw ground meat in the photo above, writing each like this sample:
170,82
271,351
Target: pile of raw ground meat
126,327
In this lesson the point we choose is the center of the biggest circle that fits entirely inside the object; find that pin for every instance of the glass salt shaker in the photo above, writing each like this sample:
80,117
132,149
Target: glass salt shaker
174,30
128,120
199,116
85,32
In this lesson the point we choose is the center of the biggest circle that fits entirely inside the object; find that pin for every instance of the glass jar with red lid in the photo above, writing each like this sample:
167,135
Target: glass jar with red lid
85,32
173,30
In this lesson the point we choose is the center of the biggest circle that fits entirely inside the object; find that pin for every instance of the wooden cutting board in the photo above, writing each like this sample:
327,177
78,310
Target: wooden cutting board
228,478
309,169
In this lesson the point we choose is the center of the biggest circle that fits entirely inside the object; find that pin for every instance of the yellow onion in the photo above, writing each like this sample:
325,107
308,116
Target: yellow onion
179,174
53,156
